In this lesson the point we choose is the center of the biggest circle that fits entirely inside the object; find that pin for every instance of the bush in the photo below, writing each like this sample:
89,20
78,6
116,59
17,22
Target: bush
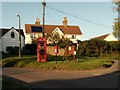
12,50
96,47
3,55
30,49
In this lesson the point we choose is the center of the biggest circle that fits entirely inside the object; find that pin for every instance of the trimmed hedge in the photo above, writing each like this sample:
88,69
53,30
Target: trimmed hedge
96,47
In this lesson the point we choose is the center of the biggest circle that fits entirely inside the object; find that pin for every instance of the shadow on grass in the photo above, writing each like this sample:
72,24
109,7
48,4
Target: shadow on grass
60,58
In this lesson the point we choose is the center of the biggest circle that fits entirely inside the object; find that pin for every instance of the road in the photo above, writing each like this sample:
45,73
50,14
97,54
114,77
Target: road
99,78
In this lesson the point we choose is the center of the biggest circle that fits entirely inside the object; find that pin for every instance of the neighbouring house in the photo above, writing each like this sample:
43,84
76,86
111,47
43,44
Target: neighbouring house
107,37
35,31
10,38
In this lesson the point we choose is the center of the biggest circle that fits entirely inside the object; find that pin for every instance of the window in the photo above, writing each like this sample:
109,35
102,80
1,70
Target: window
73,37
36,29
12,34
33,36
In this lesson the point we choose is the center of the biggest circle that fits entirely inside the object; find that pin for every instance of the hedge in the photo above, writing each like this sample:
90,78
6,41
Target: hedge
96,47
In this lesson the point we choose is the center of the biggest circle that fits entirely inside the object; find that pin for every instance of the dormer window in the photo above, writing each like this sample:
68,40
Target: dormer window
12,34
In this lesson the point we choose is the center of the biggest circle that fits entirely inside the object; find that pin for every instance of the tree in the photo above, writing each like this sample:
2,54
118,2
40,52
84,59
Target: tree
54,38
116,27
64,43
57,39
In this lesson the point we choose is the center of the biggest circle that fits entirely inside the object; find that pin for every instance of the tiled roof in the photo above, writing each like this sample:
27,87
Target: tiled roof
102,37
4,31
49,28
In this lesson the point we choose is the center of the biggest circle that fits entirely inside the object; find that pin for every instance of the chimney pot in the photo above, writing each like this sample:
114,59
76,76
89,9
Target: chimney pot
37,21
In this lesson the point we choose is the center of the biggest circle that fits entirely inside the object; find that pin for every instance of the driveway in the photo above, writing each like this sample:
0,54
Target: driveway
98,78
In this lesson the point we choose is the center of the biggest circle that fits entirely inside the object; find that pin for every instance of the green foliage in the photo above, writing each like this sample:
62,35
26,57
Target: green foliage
64,42
116,26
96,47
116,29
54,38
30,49
117,2
57,39
12,50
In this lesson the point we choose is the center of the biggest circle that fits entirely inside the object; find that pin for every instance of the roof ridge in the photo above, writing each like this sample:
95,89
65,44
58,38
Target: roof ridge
49,28
52,25
5,30
102,36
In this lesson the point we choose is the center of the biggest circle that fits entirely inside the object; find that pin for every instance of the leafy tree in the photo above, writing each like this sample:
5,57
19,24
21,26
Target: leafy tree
57,39
116,27
54,38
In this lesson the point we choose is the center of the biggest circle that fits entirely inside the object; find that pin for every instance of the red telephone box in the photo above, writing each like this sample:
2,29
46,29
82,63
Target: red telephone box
41,50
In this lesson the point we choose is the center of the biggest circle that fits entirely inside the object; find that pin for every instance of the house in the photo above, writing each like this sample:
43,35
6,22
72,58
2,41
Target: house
107,37
35,30
10,38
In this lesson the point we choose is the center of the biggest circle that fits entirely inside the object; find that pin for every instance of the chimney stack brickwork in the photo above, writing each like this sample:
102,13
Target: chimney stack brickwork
65,22
37,21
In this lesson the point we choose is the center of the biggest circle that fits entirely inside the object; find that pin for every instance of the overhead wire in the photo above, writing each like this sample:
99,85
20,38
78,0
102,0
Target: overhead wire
77,17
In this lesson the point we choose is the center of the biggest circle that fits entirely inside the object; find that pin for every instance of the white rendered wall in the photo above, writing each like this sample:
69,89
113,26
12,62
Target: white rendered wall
8,41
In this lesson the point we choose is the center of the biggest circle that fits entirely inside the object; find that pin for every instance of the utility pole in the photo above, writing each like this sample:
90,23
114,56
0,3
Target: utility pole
19,36
43,17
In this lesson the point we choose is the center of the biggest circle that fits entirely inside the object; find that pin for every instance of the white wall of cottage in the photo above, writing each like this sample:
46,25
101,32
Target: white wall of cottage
7,41
28,39
110,37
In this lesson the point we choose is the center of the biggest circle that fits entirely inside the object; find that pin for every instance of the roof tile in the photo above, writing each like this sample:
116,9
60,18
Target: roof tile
49,28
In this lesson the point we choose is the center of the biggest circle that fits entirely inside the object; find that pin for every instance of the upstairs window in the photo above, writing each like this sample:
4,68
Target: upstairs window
12,34
73,37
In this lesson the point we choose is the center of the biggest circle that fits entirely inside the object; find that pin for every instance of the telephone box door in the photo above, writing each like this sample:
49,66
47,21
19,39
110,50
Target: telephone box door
41,50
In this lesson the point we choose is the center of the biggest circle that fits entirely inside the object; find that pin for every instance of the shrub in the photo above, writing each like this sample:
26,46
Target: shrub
30,49
96,47
12,50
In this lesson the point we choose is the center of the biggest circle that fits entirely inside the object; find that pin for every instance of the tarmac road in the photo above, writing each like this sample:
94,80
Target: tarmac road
99,78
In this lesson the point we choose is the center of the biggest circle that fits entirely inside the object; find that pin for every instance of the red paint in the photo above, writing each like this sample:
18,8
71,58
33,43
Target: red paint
41,50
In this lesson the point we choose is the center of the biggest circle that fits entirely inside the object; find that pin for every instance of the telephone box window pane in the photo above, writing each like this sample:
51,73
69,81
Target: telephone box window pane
36,29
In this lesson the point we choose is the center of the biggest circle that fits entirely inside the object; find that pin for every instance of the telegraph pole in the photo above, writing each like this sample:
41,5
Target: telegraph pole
43,17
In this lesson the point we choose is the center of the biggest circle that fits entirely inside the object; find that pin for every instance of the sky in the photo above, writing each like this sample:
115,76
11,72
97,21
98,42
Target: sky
94,18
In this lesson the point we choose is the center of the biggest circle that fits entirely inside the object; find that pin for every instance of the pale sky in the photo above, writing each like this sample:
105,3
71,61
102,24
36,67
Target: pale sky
94,18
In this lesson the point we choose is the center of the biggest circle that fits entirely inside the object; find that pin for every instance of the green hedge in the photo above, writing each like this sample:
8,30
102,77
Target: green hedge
96,47
12,50
30,49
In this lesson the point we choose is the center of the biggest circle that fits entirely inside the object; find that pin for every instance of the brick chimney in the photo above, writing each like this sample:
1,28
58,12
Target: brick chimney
65,22
37,21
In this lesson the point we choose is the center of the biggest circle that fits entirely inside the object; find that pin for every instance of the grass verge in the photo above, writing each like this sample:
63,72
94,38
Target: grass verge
82,63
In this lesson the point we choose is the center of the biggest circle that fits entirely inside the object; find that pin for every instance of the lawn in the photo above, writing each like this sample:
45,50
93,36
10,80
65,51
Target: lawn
82,63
